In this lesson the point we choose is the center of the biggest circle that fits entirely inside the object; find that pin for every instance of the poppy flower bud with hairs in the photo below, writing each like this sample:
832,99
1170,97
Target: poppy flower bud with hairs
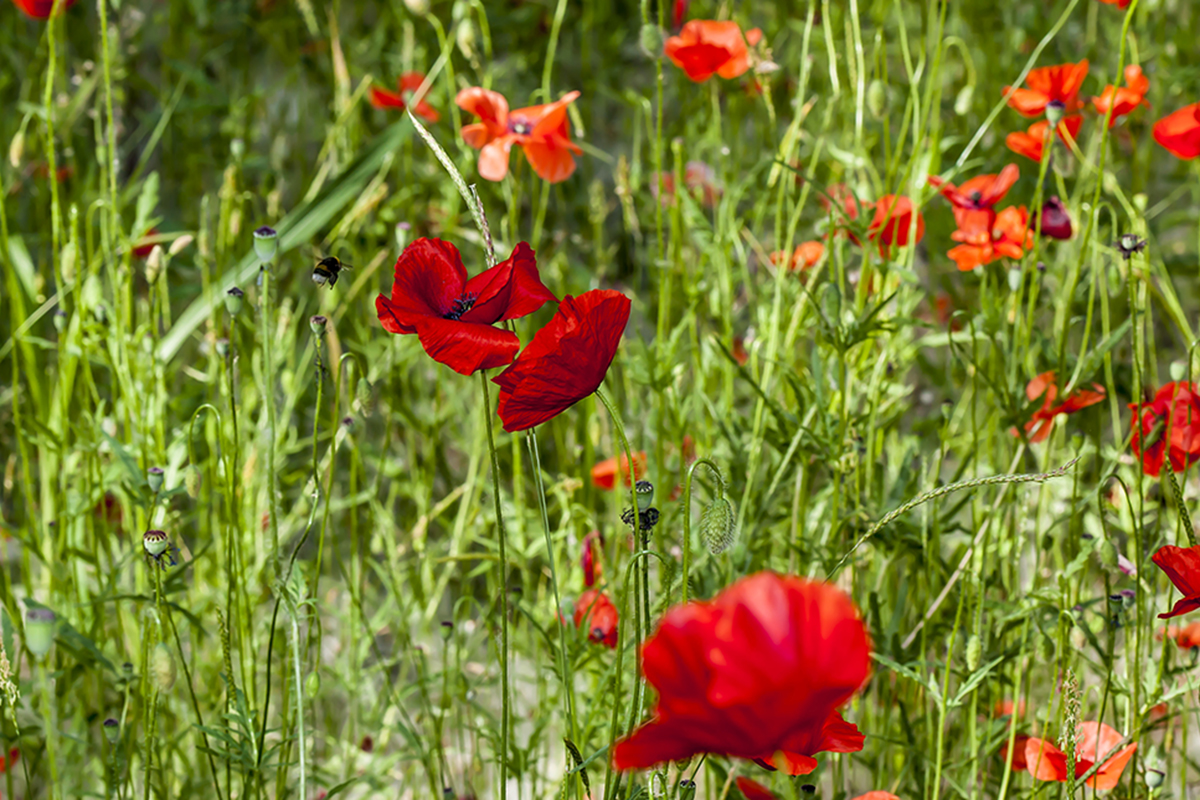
162,667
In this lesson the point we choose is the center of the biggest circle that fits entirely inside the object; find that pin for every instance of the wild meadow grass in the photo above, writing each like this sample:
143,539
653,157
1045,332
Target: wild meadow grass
267,536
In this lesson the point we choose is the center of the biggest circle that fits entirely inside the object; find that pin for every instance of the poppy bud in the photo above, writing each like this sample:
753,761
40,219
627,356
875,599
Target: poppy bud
877,101
1106,553
687,789
16,149
191,481
1155,778
154,477
233,300
155,542
162,667
831,303
1056,223
222,346
364,393
180,244
60,320
447,630
39,630
317,324
651,40
312,685
154,264
237,148
464,37
1014,280
112,730
962,102
69,254
974,651
718,526
418,7
644,490
265,244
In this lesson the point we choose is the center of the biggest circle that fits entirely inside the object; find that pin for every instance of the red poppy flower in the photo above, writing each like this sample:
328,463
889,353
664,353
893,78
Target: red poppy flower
1125,99
758,670
1048,763
877,795
540,131
566,361
698,178
975,201
841,194
1008,236
589,560
1117,3
13,756
739,351
604,474
893,222
806,256
453,316
594,611
1031,143
1171,425
679,12
1041,423
1180,132
1056,222
1187,637
41,9
142,248
1058,84
1018,754
705,48
407,85
753,790
1182,565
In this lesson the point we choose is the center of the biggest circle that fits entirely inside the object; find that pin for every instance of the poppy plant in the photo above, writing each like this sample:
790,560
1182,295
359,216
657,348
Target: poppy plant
453,316
1058,85
1031,144
595,612
705,48
976,199
893,223
407,86
604,474
566,361
1169,428
42,9
541,132
757,671
1019,763
1095,740
1008,235
1179,132
1041,423
806,256
1182,566
1125,99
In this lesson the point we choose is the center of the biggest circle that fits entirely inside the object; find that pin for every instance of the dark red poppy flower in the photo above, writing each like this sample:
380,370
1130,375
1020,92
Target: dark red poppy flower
406,87
678,12
1041,423
705,48
142,247
893,223
1125,99
1059,84
1047,763
604,474
975,201
1031,143
596,613
1007,236
1180,132
753,790
1170,424
589,560
759,670
41,9
566,361
1056,222
541,132
453,316
1117,3
1182,566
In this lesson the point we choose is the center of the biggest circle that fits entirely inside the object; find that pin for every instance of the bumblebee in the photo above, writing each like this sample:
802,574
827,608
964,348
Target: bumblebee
327,270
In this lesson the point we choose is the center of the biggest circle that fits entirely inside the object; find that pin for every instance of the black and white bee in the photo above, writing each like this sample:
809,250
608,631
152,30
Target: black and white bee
327,270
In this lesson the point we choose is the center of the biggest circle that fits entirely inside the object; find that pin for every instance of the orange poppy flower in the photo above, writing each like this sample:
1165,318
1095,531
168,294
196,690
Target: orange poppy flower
407,86
1008,236
893,223
604,474
1030,143
806,256
974,202
1187,637
1048,763
1180,132
1006,707
1019,763
840,193
1117,3
1059,84
705,48
1041,423
540,131
1125,99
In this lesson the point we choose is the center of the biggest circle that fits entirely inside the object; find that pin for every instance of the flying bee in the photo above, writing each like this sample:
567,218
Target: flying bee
327,270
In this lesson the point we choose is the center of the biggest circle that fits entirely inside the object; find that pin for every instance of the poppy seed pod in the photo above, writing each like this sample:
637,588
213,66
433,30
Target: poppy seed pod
1155,778
162,667
112,730
877,98
155,542
40,624
192,481
687,789
233,300
651,39
222,347
1055,111
154,477
265,244
718,526
644,490
1056,223
312,685
317,325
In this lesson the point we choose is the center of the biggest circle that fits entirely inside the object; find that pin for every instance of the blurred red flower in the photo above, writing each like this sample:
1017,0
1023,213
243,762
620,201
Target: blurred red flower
840,193
13,756
1059,84
1018,755
540,131
1041,423
705,48
1048,763
806,256
1125,99
1117,3
698,178
604,474
407,86
679,12
142,247
41,9
589,560
878,794
1182,566
1187,637
1170,423
1007,235
1031,143
975,201
759,670
595,612
454,316
1180,132
753,790
893,222
566,361
1056,222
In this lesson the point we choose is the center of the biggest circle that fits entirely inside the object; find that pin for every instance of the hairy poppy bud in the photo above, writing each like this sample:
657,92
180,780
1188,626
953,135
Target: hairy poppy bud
40,624
69,254
233,300
162,667
312,685
60,320
974,651
192,481
155,542
651,40
154,264
154,477
180,244
464,37
877,100
365,395
962,102
718,526
16,149
112,730
265,244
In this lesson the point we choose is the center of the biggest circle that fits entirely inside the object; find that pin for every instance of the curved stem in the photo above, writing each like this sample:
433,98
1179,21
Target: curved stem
687,513
503,567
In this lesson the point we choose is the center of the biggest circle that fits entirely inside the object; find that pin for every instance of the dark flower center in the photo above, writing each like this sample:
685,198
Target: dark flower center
461,306
975,196
519,127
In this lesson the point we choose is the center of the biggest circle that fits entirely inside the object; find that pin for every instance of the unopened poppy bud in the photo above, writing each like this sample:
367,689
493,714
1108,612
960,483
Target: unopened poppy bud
687,789
403,229
877,98
418,7
1106,553
192,481
1155,778
112,730
60,320
16,149
962,102
155,542
718,526
237,148
447,630
974,651
644,490
831,303
69,254
1056,223
364,393
180,244
162,667
222,346
651,40
317,324
312,685
154,264
265,244
40,624
464,37
233,300
154,477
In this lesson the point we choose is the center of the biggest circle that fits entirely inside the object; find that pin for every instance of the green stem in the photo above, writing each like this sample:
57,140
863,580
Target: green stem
51,727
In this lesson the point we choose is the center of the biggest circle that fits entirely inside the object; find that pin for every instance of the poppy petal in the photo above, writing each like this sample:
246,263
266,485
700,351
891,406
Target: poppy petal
489,106
429,279
753,790
493,159
1045,761
382,98
1179,132
551,159
467,347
